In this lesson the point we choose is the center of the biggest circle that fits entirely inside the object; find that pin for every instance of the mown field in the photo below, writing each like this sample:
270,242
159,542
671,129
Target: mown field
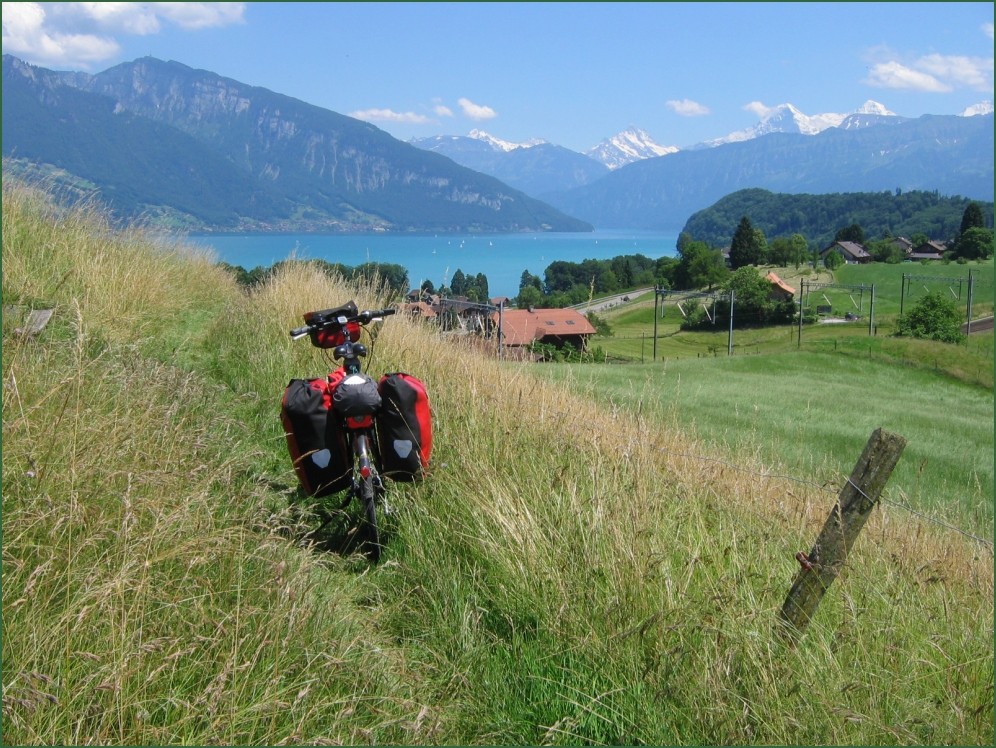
806,402
809,414
558,578
632,337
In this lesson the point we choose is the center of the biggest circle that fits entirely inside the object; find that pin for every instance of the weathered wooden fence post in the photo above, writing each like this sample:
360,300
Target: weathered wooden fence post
37,319
855,502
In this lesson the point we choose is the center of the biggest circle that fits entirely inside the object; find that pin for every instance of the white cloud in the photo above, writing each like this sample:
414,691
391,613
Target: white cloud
26,35
687,107
194,16
932,73
129,18
476,111
389,115
897,75
759,109
79,34
441,109
969,72
987,29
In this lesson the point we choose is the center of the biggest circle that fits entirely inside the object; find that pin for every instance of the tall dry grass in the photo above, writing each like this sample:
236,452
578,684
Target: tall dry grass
150,592
568,572
52,254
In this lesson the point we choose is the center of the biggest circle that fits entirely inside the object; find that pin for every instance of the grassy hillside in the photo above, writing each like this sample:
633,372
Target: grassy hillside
807,414
557,579
632,325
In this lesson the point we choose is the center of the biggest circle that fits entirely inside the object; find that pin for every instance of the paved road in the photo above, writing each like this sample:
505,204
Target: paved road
980,325
600,305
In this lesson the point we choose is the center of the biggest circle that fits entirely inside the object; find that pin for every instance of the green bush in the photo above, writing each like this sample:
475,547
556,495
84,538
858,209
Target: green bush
935,318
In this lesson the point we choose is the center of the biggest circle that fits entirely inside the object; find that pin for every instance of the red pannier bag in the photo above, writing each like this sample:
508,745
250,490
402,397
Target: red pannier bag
404,427
333,335
315,437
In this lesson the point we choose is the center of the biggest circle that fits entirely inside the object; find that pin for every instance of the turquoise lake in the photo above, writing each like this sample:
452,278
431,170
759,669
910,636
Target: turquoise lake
501,257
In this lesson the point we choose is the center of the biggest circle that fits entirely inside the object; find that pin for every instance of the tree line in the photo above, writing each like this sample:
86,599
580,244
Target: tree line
394,276
818,217
702,266
698,265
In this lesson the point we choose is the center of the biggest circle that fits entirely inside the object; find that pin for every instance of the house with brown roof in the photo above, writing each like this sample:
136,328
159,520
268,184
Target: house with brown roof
904,245
929,250
418,310
522,327
780,290
852,252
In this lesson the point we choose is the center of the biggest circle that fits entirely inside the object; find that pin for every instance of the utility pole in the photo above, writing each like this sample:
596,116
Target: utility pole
501,314
802,297
658,293
968,323
871,311
729,349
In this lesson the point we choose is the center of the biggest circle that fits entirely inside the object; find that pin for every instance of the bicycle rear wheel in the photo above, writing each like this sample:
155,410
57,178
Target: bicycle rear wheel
368,497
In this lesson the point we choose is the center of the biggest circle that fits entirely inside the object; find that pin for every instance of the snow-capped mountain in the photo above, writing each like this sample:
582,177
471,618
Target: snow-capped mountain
502,145
535,167
786,118
632,144
548,171
983,107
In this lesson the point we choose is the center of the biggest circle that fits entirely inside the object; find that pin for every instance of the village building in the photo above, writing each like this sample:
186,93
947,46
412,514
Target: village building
905,245
418,310
523,327
852,252
780,290
929,250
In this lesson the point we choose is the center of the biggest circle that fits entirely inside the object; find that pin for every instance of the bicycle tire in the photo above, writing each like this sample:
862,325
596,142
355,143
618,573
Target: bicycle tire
368,497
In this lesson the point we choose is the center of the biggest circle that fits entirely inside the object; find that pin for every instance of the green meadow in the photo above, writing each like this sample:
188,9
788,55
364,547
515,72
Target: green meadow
589,561
810,413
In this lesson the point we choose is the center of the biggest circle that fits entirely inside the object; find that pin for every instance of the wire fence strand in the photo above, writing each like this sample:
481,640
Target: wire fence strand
823,487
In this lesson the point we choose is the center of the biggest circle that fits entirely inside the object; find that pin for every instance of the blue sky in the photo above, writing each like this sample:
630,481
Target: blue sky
572,74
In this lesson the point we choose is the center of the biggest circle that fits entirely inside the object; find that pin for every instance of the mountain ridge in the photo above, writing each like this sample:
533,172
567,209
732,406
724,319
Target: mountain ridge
304,167
193,149
946,153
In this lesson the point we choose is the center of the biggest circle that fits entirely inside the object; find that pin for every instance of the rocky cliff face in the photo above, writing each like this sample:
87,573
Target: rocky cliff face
341,172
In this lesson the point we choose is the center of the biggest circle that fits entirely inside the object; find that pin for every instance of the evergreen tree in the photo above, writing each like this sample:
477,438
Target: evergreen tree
853,233
971,218
744,249
975,243
481,284
459,283
528,279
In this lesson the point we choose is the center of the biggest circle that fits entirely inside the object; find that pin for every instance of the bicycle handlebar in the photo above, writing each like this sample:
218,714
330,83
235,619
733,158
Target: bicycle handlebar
364,318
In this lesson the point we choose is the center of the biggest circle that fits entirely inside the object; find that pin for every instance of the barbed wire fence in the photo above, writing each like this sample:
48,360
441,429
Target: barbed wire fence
857,496
661,295
828,490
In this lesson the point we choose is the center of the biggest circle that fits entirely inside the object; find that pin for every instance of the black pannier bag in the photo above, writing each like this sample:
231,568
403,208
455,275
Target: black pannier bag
315,437
354,395
404,427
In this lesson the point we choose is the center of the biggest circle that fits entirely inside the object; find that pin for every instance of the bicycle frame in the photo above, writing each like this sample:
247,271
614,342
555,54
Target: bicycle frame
366,485
357,420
